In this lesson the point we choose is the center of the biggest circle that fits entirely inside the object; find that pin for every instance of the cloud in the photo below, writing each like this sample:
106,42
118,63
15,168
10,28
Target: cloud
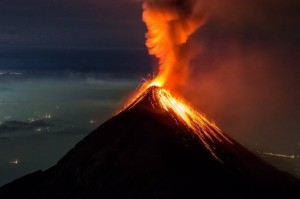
10,127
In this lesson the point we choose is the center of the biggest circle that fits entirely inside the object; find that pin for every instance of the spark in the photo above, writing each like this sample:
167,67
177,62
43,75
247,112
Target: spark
281,155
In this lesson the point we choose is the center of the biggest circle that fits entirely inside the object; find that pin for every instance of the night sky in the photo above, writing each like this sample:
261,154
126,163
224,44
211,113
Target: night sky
66,66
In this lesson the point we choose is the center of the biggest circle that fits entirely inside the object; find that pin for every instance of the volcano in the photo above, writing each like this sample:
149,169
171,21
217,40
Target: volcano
148,151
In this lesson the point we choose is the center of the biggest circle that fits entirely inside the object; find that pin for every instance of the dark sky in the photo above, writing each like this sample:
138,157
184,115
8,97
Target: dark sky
72,35
88,55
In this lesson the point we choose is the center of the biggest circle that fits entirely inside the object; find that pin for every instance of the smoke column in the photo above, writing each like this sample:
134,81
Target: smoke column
170,23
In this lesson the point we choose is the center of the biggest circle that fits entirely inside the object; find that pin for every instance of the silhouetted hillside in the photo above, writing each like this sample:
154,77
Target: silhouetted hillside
144,152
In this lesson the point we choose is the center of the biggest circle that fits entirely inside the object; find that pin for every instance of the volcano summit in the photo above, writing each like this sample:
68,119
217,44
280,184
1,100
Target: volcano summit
148,151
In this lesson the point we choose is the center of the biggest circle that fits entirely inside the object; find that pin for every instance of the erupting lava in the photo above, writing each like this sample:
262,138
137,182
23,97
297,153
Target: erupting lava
170,23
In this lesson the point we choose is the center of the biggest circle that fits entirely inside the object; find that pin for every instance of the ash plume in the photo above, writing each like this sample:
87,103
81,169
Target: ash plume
170,23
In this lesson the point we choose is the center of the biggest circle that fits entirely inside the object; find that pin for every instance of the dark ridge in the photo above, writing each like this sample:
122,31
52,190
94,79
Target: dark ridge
143,153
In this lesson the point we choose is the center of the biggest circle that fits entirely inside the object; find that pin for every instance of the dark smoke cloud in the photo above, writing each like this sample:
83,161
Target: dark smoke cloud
184,8
181,15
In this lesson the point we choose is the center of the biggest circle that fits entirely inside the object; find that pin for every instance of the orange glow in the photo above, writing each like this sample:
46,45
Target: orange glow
206,131
167,32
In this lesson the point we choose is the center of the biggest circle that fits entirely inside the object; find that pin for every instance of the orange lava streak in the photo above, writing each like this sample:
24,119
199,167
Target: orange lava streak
180,111
206,131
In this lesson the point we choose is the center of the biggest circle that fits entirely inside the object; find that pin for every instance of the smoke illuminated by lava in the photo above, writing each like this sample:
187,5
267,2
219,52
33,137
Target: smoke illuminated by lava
170,23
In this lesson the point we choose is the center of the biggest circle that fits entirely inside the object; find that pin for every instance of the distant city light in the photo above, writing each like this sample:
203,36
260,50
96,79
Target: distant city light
39,130
16,161
48,116
293,156
93,121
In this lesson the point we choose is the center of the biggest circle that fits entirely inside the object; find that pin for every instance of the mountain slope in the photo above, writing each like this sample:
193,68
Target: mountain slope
145,152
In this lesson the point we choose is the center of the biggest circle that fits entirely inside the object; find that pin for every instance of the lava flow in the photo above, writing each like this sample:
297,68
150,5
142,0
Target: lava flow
181,112
170,24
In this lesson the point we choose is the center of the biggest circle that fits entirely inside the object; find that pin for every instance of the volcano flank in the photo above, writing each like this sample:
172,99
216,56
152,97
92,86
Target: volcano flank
148,152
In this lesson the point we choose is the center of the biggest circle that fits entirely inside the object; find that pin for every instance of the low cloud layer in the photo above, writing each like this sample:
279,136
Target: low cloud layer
9,127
